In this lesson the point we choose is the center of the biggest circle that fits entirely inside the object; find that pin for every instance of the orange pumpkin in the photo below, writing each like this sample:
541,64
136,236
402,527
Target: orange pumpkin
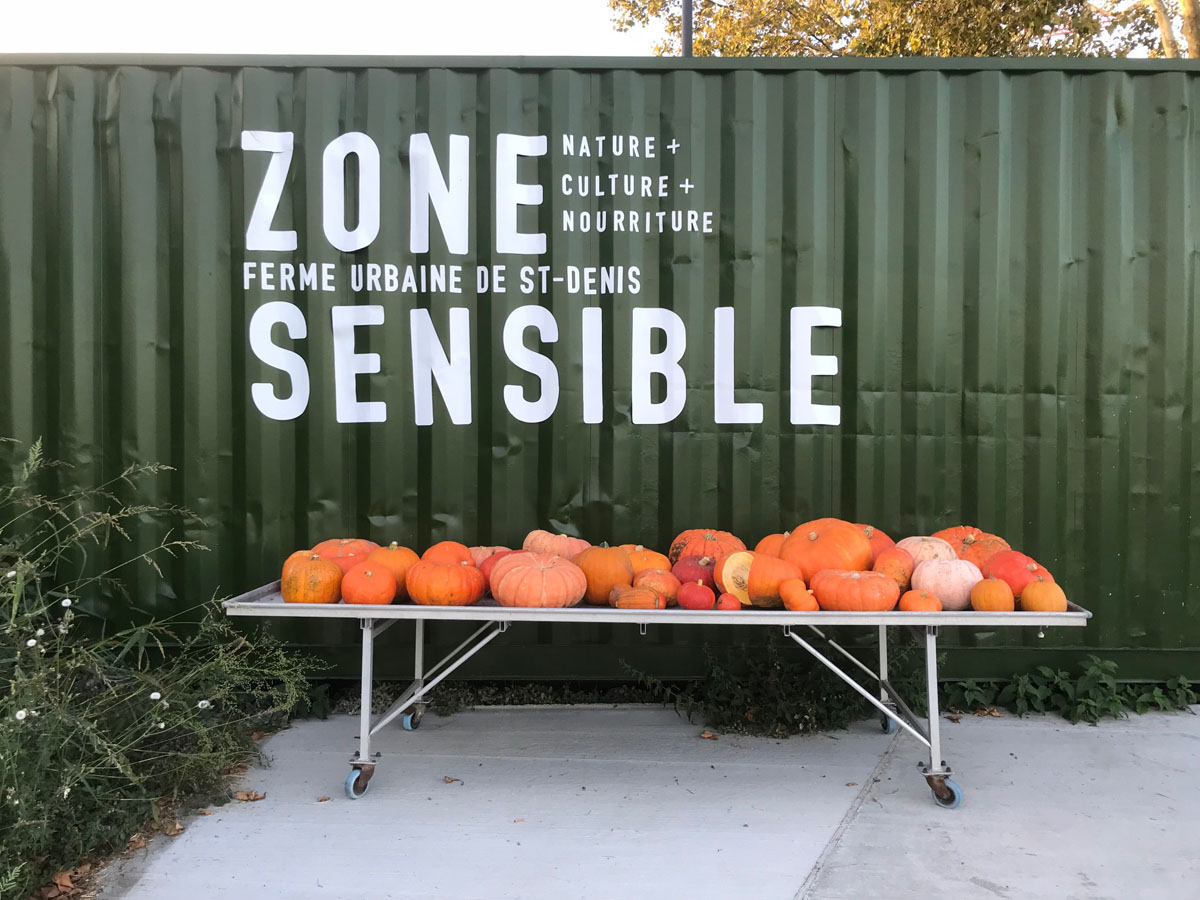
771,544
641,558
796,597
1015,568
826,544
877,539
369,583
703,542
920,601
537,580
971,543
1043,595
298,556
449,552
924,547
346,552
753,578
855,590
559,544
397,560
897,563
444,584
992,595
315,580
624,596
605,568
659,580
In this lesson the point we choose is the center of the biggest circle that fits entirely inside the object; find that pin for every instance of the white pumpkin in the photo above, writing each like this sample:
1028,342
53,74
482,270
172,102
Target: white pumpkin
950,579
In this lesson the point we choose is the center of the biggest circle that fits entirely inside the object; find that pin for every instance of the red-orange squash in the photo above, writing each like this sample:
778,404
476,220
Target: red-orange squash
728,602
624,596
660,580
696,595
559,544
919,601
877,539
479,554
444,584
854,590
1043,595
537,580
826,544
797,597
397,560
346,552
1017,569
314,580
695,568
369,583
753,578
641,558
971,543
950,579
992,595
605,568
703,542
771,544
449,552
897,563
924,547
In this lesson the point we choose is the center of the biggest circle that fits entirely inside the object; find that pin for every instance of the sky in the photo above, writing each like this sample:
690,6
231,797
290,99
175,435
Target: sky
341,28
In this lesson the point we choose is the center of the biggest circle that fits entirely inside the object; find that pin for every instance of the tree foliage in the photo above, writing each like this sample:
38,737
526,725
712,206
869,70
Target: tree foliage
901,27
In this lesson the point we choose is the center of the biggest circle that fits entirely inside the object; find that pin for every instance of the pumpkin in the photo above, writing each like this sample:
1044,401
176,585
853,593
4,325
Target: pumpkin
826,544
950,579
346,552
877,539
433,583
920,601
624,596
695,568
854,590
771,544
754,579
479,554
605,568
992,595
660,580
703,542
369,583
489,564
1043,595
641,558
897,563
397,560
797,597
558,544
1015,568
923,547
971,543
449,552
290,562
537,580
696,595
314,580
728,601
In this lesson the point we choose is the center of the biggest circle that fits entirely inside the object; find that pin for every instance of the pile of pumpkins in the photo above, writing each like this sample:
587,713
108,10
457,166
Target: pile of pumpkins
825,564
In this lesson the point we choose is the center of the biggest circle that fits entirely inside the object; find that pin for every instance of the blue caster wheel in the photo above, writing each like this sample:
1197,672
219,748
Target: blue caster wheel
951,798
888,725
412,720
357,783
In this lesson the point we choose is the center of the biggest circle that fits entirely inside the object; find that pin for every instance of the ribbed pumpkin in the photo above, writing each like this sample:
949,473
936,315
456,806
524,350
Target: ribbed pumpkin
624,596
950,579
703,542
826,544
660,580
919,601
444,584
971,543
924,547
479,554
992,595
877,539
1043,595
696,595
559,544
797,597
897,563
369,584
754,578
854,590
1015,568
449,552
695,568
397,560
641,558
771,544
313,580
290,562
537,580
346,552
605,568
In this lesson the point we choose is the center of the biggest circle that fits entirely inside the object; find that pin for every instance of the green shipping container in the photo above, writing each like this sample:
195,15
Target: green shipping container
418,300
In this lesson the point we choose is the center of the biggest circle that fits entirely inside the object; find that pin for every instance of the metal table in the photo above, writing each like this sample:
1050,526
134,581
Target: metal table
495,619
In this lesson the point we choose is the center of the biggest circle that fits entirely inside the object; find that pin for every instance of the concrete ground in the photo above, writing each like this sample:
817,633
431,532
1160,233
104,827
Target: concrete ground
630,803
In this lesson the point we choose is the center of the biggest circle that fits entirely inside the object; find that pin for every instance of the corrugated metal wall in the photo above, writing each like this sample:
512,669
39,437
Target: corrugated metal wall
1013,250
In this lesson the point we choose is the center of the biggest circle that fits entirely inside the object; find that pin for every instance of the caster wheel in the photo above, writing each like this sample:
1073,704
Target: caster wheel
955,795
888,725
356,784
412,720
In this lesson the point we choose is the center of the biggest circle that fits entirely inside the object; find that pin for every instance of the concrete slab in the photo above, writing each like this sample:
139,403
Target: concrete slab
1050,810
553,803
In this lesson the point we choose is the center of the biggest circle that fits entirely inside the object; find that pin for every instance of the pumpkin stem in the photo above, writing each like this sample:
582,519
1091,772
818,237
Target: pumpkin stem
705,561
812,535
394,545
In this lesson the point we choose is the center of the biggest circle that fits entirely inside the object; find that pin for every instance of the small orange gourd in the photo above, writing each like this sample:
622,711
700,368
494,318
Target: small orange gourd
920,601
992,595
370,584
1043,595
